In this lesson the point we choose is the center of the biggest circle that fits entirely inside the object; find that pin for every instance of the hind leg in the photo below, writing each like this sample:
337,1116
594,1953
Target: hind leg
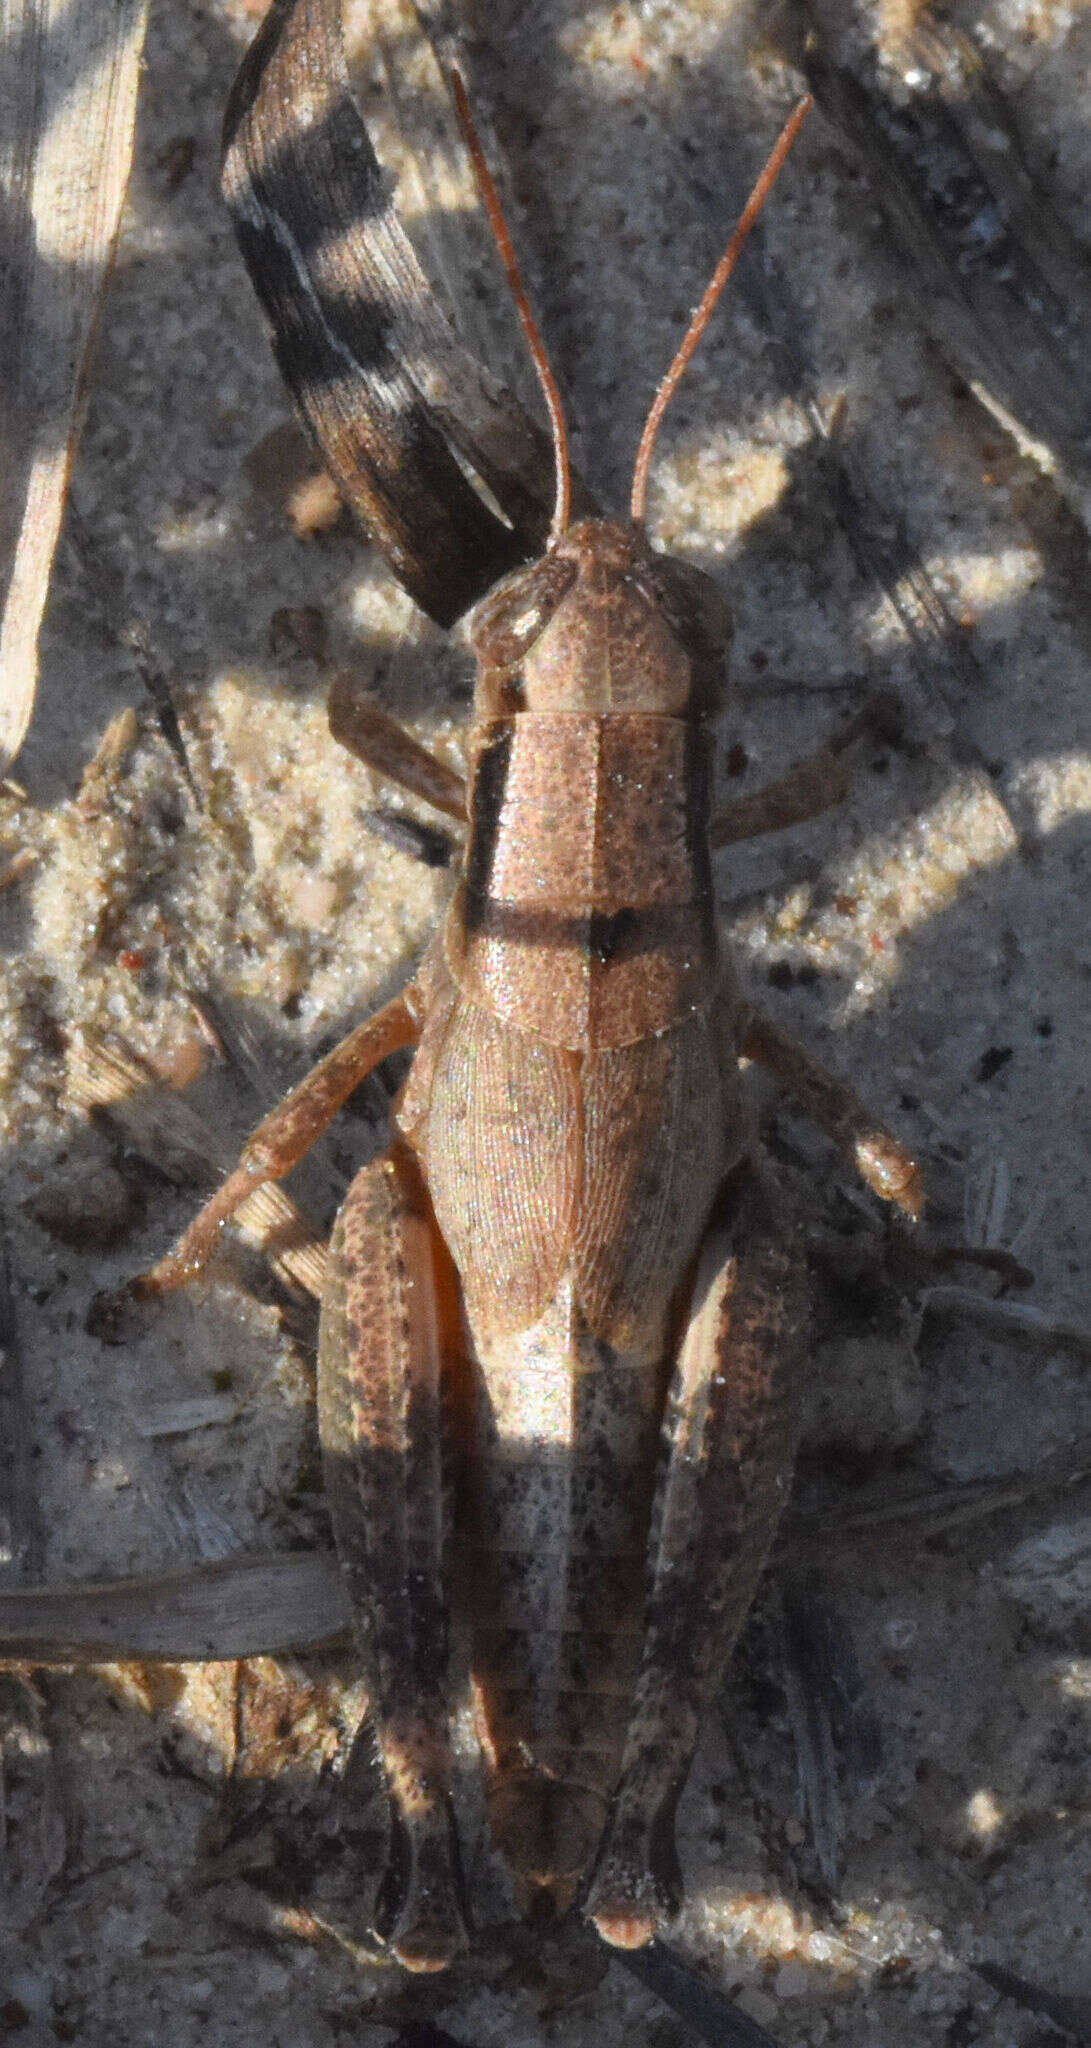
379,1412
732,1423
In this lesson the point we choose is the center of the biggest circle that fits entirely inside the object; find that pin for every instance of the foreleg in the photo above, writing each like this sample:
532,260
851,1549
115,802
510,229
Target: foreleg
379,1415
378,740
804,791
732,1423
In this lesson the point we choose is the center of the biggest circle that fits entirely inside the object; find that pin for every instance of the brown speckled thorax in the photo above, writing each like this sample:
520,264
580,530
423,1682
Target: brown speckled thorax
585,910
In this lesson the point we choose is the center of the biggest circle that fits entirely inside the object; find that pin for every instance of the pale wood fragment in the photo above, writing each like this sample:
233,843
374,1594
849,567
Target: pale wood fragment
68,80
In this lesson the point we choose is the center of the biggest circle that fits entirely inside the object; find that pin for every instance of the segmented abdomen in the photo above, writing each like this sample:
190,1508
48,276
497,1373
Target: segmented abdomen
573,1192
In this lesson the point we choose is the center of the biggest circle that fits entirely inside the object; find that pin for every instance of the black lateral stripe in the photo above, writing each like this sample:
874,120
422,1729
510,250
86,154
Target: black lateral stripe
486,810
637,928
698,772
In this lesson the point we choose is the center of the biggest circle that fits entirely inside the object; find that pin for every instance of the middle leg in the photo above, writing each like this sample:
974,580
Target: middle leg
878,1157
384,745
284,1138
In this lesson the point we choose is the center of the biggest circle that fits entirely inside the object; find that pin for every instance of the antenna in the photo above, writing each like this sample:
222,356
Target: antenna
706,308
563,505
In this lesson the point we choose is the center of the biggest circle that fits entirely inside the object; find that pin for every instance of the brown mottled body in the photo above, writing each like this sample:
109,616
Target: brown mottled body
575,1108
572,1253
576,1112
634,1313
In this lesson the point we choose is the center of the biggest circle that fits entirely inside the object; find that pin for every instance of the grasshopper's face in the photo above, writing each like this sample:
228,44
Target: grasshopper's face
602,624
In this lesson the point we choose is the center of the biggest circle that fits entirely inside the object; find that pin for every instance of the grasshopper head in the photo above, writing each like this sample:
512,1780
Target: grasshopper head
603,623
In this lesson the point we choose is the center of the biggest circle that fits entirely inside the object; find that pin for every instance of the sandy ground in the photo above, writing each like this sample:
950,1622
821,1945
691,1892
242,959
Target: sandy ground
930,939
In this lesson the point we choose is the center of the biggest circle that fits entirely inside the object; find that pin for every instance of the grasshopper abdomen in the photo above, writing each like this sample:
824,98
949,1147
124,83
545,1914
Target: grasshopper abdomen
581,1115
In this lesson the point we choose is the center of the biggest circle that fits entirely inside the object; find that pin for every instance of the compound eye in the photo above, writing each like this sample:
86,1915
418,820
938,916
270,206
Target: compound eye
506,624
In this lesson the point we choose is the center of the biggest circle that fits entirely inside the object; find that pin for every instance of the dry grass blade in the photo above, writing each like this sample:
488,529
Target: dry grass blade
68,79
249,1606
961,75
1071,2015
805,1631
243,1607
33,1833
1023,1321
32,1830
20,1527
999,282
914,1513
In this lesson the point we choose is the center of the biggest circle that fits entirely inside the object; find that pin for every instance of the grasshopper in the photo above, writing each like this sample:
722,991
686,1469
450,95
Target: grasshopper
569,1293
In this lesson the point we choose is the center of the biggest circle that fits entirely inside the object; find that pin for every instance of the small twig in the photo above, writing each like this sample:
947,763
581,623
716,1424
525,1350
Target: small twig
158,689
17,866
712,2016
1072,2015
